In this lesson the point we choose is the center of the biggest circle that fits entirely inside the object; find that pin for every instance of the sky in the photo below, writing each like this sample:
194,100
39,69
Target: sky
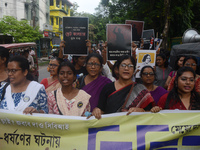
86,5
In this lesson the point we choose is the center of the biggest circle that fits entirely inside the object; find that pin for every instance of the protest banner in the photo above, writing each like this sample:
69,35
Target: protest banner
145,58
118,40
148,35
137,30
139,131
75,34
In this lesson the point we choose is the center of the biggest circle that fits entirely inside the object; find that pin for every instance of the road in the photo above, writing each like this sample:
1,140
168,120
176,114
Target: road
43,73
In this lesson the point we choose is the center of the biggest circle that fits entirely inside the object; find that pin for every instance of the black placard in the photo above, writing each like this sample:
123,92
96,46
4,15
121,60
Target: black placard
75,34
137,30
118,40
147,35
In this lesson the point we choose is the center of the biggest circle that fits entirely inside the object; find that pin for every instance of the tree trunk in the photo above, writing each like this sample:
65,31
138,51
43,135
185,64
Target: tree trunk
167,24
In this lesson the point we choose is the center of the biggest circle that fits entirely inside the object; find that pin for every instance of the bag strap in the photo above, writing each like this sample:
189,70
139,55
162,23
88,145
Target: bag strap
4,91
129,94
57,103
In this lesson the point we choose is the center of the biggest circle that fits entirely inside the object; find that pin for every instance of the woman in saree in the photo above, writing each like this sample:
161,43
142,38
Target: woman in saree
93,82
68,100
189,61
148,77
23,94
51,83
124,94
178,64
183,96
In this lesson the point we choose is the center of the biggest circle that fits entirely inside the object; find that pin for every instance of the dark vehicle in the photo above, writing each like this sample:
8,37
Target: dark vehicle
187,49
19,48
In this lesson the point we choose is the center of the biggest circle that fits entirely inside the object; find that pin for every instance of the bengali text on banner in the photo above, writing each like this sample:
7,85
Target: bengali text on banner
173,130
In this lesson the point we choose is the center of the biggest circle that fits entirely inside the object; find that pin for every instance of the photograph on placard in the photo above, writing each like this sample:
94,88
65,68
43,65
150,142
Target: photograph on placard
75,34
145,58
137,30
148,37
118,40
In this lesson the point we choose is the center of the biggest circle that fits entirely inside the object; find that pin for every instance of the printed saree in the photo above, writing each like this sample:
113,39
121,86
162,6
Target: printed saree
139,97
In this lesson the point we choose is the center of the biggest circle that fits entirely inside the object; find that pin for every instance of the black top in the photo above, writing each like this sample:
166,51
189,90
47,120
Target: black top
105,92
82,70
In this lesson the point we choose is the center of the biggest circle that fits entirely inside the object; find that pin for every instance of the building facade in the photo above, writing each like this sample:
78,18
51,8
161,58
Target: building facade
35,11
58,10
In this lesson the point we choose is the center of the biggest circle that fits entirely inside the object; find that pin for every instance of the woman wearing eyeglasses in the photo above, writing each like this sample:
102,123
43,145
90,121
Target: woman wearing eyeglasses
23,94
183,95
93,82
124,94
148,76
51,83
189,61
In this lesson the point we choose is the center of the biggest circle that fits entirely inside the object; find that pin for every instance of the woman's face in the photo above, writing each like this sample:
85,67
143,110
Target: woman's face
148,59
15,73
180,62
148,76
66,76
186,82
159,61
53,67
191,63
126,69
81,61
93,67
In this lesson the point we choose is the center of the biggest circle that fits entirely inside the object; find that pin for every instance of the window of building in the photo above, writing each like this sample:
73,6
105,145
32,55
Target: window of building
26,11
57,20
58,3
51,2
47,18
51,20
63,7
67,8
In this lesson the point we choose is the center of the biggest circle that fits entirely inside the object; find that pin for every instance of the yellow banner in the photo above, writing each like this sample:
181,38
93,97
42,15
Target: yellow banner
167,130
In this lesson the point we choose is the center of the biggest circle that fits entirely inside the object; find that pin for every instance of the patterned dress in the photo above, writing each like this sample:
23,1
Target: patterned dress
39,103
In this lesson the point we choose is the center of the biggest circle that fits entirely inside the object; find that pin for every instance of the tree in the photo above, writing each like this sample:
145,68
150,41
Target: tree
168,18
20,30
73,10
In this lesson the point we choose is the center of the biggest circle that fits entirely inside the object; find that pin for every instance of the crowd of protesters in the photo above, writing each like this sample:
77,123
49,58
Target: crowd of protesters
92,85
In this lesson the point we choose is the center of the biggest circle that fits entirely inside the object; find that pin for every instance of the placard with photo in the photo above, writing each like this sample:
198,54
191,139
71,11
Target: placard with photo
137,30
118,40
145,58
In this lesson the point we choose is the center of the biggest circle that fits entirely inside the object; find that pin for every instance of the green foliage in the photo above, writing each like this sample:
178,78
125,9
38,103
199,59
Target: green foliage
20,30
73,10
183,14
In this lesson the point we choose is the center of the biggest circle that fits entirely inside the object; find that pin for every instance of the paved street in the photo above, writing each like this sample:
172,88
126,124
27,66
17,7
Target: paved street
43,73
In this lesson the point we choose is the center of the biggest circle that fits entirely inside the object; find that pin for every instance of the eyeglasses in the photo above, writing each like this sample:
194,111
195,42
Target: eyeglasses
12,71
53,65
184,79
125,65
188,64
146,74
93,64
